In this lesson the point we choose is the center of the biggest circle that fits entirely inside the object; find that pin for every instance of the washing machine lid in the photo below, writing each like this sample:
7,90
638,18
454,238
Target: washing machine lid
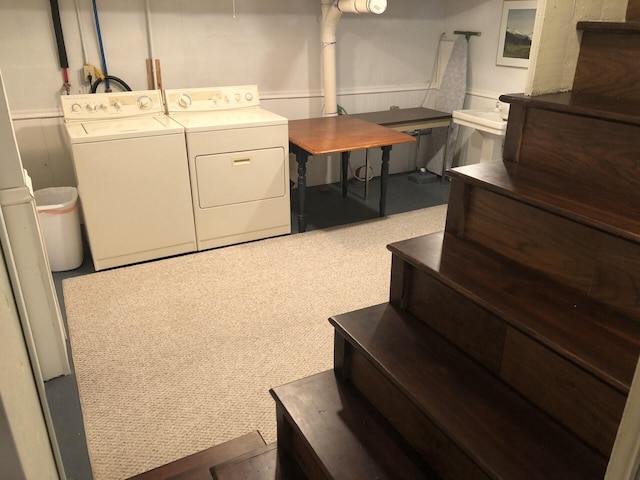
122,128
227,119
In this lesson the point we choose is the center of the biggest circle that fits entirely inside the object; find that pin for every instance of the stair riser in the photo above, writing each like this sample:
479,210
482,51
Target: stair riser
633,11
197,465
580,149
583,404
607,65
293,451
470,327
259,464
602,266
446,459
588,407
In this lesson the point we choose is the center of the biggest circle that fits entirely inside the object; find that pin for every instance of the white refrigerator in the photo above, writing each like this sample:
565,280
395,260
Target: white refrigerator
29,306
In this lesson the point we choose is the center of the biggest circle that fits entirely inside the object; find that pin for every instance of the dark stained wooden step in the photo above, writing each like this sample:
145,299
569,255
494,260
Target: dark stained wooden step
582,104
571,356
580,138
462,419
260,464
609,27
601,265
598,339
548,377
330,431
610,213
633,10
196,466
609,55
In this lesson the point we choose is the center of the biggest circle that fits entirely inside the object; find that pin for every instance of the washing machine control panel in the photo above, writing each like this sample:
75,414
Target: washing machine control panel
99,106
211,99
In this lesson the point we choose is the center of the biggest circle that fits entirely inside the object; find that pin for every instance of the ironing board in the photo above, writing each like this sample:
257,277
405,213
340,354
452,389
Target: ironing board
450,97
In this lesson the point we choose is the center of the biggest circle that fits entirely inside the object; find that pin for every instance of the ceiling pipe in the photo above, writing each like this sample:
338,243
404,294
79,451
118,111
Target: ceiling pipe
332,10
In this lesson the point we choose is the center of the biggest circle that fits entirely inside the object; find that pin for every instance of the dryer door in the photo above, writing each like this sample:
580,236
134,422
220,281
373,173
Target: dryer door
240,177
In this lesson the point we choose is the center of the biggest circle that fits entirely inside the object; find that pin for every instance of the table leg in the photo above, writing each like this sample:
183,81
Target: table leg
384,174
344,163
366,173
302,157
444,154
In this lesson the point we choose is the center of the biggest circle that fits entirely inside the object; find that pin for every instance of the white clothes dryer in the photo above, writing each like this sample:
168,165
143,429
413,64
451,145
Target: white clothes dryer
238,159
132,172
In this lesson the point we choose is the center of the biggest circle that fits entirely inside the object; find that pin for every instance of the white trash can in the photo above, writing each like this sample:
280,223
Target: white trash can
60,223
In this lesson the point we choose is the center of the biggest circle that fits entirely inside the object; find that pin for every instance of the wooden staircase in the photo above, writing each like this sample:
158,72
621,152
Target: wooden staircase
510,340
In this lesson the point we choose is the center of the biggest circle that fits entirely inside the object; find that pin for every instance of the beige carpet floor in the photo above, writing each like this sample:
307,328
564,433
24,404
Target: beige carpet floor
177,355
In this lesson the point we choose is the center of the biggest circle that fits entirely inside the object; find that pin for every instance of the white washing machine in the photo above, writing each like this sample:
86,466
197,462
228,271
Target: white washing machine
238,158
131,167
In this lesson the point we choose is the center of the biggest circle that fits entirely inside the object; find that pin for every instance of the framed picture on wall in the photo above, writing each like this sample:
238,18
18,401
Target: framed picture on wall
516,32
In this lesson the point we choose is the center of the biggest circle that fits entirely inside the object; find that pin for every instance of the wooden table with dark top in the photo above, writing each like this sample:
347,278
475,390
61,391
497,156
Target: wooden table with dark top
416,120
341,134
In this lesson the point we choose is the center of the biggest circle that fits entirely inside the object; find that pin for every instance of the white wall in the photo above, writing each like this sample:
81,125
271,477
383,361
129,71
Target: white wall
382,60
486,79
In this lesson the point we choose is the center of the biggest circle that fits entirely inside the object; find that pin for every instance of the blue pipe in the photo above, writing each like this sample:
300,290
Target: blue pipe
104,60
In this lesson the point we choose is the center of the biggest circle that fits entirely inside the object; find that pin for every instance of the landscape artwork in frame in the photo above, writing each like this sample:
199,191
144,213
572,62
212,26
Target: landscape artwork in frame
516,32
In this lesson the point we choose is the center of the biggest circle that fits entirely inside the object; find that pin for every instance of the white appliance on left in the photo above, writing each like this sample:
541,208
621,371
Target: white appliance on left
32,336
132,171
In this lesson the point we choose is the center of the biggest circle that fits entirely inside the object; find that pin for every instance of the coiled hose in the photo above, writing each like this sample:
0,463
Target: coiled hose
112,78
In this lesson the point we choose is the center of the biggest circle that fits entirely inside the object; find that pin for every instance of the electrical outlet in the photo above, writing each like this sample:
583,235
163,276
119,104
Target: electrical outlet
87,72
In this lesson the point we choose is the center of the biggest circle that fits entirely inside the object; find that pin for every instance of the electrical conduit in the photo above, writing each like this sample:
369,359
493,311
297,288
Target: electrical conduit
85,57
332,10
104,59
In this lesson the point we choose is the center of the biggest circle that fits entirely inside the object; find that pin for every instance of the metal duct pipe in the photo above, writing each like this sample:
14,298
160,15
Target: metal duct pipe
332,10
362,6
330,16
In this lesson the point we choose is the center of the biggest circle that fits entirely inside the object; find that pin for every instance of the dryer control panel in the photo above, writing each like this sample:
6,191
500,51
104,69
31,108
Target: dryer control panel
100,106
211,99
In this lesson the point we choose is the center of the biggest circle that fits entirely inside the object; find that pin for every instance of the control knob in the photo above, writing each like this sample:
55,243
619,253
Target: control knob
248,96
76,107
144,102
184,100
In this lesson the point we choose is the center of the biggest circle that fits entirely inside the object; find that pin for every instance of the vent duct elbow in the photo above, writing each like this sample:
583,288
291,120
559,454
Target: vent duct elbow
362,6
332,10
